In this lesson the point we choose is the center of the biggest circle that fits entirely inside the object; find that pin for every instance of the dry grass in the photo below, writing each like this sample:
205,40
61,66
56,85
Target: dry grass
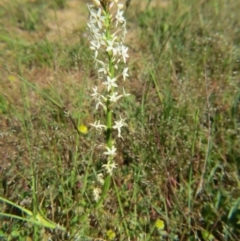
179,161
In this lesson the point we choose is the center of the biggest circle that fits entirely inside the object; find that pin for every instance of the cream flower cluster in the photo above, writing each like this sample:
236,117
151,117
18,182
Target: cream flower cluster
107,36
107,27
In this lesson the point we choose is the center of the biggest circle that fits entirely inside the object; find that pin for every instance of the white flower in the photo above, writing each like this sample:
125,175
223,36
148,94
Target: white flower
97,97
95,93
96,193
118,125
119,17
124,54
94,30
109,167
111,82
100,178
125,73
104,67
95,45
110,151
104,70
110,46
98,126
96,17
114,97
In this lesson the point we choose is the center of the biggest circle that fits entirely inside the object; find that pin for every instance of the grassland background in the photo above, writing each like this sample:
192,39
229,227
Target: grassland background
179,161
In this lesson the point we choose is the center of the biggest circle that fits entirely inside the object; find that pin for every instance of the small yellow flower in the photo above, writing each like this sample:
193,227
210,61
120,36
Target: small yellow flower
159,224
111,234
11,78
83,129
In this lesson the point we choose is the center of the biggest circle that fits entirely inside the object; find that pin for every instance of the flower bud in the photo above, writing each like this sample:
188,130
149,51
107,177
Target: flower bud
120,6
97,3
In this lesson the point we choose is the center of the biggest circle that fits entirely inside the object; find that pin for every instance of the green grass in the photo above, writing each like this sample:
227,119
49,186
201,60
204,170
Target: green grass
180,157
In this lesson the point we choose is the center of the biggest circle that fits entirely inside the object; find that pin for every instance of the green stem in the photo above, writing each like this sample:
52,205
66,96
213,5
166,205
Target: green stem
109,125
111,71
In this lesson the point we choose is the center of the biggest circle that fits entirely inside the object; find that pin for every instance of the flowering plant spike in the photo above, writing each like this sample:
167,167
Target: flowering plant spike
107,27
